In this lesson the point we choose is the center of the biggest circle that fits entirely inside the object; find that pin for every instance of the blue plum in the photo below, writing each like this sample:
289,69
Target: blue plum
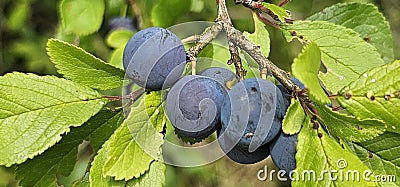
193,106
283,152
252,112
286,94
121,23
154,58
240,154
297,82
222,75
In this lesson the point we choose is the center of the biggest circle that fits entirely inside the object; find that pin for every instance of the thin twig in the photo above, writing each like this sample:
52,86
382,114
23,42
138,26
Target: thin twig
202,40
283,2
235,59
206,37
191,39
132,96
223,16
253,50
138,14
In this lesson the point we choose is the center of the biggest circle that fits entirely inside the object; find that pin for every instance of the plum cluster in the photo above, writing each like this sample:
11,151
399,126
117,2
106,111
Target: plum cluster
247,115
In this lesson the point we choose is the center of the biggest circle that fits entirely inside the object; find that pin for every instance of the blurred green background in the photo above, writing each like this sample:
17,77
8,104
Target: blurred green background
25,26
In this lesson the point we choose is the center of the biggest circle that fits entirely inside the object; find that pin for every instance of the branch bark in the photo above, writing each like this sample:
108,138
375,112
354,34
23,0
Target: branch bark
235,59
205,38
237,38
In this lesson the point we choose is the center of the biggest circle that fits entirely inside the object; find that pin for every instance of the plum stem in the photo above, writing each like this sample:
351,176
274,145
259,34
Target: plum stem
263,76
194,62
132,96
191,39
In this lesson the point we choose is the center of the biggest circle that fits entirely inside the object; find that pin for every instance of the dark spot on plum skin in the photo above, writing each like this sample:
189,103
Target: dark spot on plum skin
253,89
268,107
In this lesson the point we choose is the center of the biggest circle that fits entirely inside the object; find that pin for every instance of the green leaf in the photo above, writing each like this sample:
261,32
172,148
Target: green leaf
317,156
260,36
80,66
118,38
60,159
207,51
147,121
137,141
33,54
381,156
217,56
348,127
294,118
165,13
96,177
366,20
376,94
154,177
82,17
344,53
145,7
305,68
197,6
36,110
249,60
123,151
102,126
81,183
277,10
116,58
18,17
154,108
